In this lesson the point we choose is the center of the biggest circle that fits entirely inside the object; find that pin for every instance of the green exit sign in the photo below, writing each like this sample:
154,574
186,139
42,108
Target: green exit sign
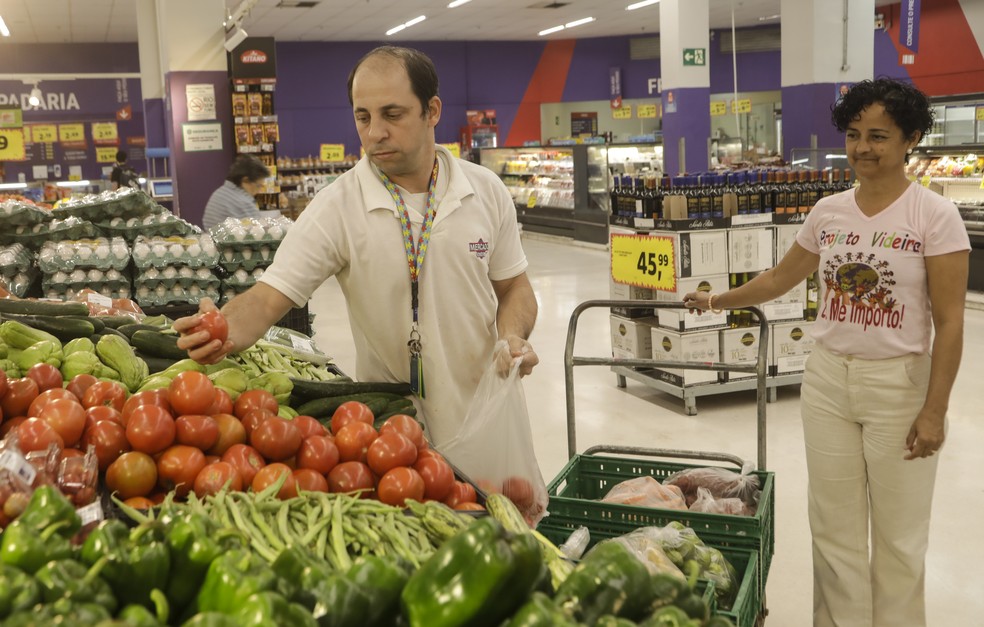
695,56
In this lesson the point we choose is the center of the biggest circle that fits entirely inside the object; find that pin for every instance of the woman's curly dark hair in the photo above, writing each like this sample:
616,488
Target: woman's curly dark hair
908,107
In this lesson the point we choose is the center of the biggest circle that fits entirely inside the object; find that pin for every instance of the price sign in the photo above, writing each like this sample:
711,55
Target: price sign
105,154
980,113
71,132
12,144
622,113
718,108
646,111
333,152
104,132
531,201
93,512
741,106
644,261
454,149
44,133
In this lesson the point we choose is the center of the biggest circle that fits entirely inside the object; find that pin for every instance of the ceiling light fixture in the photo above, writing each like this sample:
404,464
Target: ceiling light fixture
35,98
82,183
769,17
416,20
458,3
639,5
556,29
13,185
6,31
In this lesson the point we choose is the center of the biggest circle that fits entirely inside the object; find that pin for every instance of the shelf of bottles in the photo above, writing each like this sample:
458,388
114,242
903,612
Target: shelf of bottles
257,132
542,178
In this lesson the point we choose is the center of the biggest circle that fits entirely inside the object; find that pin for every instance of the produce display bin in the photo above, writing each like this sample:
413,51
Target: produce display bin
589,476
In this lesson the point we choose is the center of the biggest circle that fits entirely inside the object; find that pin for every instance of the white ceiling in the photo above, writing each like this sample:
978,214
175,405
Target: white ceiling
78,21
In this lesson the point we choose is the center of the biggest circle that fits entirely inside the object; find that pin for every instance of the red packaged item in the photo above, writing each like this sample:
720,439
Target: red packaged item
78,477
100,305
720,482
646,492
17,477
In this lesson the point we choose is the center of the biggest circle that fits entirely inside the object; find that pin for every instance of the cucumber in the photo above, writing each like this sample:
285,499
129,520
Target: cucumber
115,322
108,331
97,324
65,328
393,409
129,329
377,405
26,307
325,407
157,344
304,388
156,364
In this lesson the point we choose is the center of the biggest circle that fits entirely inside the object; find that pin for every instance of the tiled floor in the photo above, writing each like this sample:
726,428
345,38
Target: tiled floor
564,275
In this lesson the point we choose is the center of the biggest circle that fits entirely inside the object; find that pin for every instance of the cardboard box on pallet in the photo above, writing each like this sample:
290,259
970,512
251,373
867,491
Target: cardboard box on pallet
785,236
683,320
621,291
632,337
700,247
789,306
750,249
701,346
790,343
739,346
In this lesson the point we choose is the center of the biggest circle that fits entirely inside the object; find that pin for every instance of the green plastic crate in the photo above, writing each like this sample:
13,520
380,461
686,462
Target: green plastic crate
748,601
574,495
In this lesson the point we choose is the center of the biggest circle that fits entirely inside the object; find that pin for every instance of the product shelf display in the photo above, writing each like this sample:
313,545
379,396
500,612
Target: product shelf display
299,179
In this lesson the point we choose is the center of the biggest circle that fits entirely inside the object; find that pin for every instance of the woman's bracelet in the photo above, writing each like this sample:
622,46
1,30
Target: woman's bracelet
710,304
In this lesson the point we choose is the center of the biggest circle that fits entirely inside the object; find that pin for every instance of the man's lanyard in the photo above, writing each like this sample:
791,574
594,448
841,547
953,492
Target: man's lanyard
415,260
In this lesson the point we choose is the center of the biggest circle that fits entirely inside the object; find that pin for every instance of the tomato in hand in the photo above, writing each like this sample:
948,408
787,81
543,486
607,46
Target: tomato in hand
42,400
221,404
107,393
79,384
20,394
132,474
276,439
351,476
308,426
191,392
271,474
213,323
214,477
109,439
178,467
461,492
437,475
254,418
390,450
318,452
231,432
35,435
353,441
246,460
46,376
400,484
255,399
347,413
308,480
150,429
406,426
149,397
202,432
66,417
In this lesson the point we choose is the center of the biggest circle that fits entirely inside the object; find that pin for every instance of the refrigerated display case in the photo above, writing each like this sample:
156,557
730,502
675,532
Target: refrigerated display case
958,120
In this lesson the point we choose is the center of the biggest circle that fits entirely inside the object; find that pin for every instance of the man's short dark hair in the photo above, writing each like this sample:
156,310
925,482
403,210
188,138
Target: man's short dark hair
247,167
120,156
908,107
419,67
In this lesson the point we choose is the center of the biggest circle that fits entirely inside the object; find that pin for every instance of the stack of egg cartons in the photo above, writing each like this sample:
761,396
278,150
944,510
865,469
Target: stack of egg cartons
17,270
246,248
177,269
71,265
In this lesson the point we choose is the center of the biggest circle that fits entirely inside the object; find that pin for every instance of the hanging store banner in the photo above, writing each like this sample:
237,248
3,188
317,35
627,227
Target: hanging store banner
909,28
615,87
644,261
254,60
12,144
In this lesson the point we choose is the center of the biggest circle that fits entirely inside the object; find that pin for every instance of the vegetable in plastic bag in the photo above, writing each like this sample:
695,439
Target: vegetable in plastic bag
708,504
720,482
646,492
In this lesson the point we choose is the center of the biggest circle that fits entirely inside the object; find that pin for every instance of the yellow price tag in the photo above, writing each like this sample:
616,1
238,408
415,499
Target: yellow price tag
622,113
44,133
454,149
644,261
646,111
104,131
741,106
531,201
333,152
71,132
718,108
12,144
980,113
925,180
105,154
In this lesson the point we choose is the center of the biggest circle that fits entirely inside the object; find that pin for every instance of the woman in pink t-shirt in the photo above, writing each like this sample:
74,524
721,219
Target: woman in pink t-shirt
892,261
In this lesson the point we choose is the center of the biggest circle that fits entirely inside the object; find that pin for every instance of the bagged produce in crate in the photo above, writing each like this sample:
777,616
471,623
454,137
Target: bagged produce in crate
646,492
100,305
494,446
709,505
649,549
720,482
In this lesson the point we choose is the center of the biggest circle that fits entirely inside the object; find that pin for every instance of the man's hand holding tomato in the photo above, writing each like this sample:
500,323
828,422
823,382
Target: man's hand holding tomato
205,335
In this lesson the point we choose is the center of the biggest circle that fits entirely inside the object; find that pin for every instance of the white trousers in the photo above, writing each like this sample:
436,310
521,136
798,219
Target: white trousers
856,416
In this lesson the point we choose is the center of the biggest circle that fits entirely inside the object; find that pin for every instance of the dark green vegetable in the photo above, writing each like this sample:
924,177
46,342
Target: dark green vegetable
69,580
540,611
43,308
321,389
29,550
194,542
156,364
115,322
18,591
271,608
65,328
609,580
325,407
138,561
131,328
231,579
157,344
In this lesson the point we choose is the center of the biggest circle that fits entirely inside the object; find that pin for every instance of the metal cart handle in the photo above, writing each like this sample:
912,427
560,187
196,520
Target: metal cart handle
759,368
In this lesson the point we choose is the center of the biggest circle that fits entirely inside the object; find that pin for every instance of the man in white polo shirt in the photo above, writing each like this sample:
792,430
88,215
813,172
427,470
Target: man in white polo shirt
409,219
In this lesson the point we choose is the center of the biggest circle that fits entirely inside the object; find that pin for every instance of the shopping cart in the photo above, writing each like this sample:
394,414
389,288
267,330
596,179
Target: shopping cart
747,541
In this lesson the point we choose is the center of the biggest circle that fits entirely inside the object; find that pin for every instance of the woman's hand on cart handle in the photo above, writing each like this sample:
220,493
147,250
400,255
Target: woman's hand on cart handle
700,302
200,345
518,349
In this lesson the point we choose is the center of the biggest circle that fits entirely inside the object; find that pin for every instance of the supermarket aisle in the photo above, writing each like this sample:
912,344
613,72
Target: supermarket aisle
564,275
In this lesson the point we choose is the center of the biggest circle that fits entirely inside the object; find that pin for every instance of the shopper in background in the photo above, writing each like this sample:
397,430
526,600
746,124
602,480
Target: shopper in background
236,197
373,222
123,175
893,260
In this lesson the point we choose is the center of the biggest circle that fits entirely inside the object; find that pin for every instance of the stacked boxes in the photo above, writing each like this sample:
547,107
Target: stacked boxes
790,343
632,337
699,346
739,346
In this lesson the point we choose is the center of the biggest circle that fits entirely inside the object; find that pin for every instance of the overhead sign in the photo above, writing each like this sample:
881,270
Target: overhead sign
909,28
12,144
615,87
644,261
105,133
11,117
584,123
718,107
623,113
105,154
741,106
694,56
71,132
44,133
646,110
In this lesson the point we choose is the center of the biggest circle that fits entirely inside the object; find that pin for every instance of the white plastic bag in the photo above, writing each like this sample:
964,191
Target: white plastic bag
494,446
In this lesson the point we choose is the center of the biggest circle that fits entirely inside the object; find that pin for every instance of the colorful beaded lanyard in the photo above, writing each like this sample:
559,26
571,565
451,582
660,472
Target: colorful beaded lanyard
415,260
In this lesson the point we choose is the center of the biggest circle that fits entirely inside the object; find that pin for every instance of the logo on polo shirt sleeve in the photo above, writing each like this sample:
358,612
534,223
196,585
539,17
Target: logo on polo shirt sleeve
480,248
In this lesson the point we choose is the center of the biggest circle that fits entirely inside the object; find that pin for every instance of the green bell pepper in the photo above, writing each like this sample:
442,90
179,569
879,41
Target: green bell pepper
60,613
300,566
27,549
670,616
540,611
231,579
18,591
382,581
271,608
609,580
47,507
70,581
340,603
139,616
211,619
194,542
137,564
613,621
479,577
